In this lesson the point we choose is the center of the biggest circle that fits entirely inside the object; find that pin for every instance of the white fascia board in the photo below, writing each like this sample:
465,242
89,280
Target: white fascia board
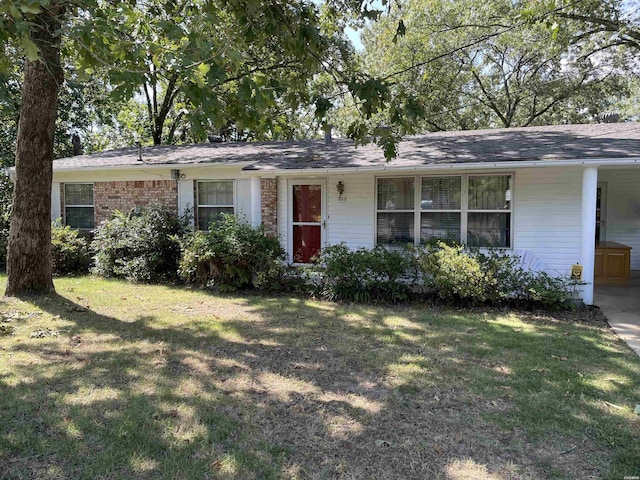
591,162
149,166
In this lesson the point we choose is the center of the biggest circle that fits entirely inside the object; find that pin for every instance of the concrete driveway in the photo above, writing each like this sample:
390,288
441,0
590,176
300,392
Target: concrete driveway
621,306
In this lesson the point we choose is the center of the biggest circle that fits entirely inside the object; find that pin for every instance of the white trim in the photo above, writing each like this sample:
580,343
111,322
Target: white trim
511,165
323,213
151,166
596,162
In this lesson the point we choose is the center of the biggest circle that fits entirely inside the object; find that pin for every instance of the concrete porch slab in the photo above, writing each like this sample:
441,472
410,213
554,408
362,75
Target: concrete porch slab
621,306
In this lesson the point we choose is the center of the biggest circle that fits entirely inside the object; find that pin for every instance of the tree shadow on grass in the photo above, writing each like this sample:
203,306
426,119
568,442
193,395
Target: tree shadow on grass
308,390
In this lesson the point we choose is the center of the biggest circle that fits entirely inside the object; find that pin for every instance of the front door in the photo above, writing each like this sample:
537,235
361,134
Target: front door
306,231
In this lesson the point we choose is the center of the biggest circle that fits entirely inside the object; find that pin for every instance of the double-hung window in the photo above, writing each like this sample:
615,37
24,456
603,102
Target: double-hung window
78,205
440,208
489,211
472,209
396,210
215,197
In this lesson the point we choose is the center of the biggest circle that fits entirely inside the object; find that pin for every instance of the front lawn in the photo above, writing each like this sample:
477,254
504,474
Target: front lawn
109,380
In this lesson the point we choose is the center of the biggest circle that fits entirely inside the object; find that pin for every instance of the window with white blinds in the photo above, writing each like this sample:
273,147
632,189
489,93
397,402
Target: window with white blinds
214,198
472,209
78,205
440,205
396,210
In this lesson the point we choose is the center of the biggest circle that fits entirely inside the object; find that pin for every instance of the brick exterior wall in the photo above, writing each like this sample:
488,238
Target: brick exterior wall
123,196
269,205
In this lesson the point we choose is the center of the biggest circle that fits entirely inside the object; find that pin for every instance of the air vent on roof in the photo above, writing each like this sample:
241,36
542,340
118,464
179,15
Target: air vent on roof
327,133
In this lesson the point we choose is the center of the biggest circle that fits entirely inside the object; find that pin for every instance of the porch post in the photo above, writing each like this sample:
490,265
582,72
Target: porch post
589,191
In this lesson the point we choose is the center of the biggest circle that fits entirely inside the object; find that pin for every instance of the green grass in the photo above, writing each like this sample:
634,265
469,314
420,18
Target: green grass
112,380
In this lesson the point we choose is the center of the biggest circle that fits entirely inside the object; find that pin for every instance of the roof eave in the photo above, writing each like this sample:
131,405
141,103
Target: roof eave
510,165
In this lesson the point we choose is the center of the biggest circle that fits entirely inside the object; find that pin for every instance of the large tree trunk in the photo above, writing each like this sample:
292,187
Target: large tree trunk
29,250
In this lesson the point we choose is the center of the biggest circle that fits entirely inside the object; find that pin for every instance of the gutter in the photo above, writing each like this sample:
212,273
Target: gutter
390,167
593,162
144,166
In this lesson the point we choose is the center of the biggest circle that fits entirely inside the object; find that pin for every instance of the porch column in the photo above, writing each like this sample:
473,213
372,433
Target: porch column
589,191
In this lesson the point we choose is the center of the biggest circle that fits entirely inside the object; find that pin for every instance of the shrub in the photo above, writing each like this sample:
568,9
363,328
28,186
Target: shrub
232,255
363,275
69,252
541,290
142,245
452,274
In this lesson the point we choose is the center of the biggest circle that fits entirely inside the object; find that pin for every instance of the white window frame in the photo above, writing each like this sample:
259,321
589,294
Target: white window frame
197,198
464,204
65,206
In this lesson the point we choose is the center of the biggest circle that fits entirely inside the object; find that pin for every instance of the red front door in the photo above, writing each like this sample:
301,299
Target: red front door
306,222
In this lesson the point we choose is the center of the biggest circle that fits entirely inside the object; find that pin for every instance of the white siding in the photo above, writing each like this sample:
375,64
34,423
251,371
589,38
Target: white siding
55,202
243,199
185,198
623,209
547,213
256,202
351,220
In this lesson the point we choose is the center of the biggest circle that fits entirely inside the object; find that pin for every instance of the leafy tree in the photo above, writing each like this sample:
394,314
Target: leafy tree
471,64
233,60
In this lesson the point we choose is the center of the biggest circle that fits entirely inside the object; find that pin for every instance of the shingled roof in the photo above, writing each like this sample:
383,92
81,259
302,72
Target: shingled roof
557,142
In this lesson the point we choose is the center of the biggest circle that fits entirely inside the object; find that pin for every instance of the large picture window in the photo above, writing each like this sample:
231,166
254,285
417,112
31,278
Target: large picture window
78,205
473,209
214,198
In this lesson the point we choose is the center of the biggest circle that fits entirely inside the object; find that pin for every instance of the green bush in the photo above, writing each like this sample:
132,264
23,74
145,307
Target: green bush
69,250
451,274
232,255
363,275
541,290
142,245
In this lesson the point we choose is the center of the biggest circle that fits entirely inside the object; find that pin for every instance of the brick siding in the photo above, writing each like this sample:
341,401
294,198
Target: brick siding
269,205
123,196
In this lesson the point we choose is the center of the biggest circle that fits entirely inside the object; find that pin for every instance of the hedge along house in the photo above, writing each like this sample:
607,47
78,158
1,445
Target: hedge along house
563,193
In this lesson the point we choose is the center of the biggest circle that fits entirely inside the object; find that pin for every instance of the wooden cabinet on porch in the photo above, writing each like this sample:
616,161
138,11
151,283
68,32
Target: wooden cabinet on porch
612,263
